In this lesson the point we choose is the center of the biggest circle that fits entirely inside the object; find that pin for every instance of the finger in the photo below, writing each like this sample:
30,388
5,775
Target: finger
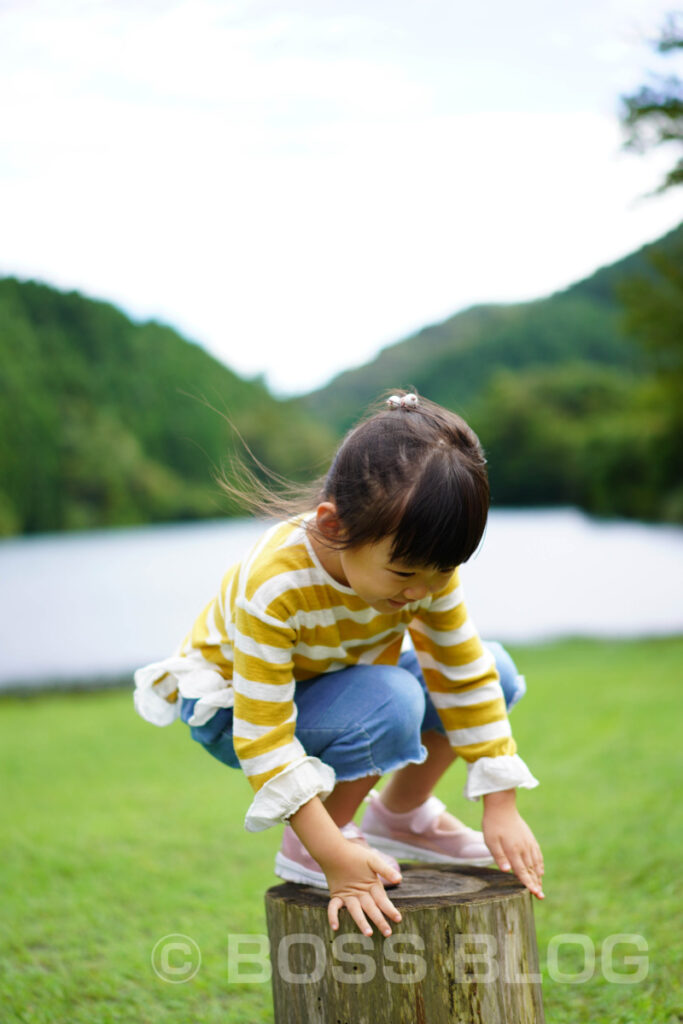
499,855
355,910
533,856
375,914
536,883
529,878
533,861
382,867
531,881
538,861
333,908
385,904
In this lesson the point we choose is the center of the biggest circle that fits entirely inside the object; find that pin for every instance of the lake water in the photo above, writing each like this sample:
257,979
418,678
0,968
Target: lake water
74,606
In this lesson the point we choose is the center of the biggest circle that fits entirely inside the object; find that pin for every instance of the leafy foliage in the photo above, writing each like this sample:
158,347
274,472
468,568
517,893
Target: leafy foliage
575,402
654,314
584,435
104,422
653,115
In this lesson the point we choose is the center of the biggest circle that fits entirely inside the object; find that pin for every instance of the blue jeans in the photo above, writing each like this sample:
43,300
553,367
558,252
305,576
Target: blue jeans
363,720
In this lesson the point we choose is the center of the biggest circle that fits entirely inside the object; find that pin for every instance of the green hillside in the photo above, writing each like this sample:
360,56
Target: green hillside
452,362
576,397
104,421
571,400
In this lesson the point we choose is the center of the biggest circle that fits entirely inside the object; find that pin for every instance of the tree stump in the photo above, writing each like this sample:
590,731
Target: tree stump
464,953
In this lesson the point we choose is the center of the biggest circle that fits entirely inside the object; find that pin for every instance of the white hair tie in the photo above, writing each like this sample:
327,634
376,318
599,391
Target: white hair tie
403,401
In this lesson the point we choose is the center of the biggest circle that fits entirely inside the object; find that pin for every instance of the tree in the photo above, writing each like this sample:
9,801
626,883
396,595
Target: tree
653,115
654,314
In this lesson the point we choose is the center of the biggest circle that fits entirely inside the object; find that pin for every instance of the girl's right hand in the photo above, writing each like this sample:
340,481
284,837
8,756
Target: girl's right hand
353,880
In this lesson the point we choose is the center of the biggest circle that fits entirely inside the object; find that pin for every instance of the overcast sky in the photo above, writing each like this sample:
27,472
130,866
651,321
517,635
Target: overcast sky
296,184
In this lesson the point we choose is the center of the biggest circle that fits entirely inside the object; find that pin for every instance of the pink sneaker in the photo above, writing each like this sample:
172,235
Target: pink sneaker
416,835
295,864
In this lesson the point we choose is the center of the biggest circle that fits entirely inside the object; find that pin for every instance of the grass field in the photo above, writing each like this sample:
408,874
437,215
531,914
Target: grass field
116,834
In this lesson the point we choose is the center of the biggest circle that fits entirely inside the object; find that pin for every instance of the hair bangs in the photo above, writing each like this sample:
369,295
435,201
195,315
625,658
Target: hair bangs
417,475
443,520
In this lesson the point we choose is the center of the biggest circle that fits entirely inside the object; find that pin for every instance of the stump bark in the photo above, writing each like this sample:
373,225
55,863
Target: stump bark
464,953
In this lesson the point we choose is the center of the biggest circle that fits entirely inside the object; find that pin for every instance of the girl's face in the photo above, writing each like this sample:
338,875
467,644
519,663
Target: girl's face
387,586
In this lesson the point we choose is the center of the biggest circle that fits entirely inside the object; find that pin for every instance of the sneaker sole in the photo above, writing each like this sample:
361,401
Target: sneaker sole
293,872
403,850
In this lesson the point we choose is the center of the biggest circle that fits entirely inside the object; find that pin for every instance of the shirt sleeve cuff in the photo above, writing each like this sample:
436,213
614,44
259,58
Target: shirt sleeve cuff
492,774
158,687
281,796
153,697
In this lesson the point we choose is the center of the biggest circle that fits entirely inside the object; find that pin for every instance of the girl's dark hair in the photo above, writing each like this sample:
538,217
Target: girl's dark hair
415,473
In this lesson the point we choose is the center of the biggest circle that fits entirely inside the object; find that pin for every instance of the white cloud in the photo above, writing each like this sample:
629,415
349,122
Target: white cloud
295,189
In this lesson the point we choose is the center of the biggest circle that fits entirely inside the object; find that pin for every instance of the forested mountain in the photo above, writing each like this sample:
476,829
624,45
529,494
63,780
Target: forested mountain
576,397
454,361
104,421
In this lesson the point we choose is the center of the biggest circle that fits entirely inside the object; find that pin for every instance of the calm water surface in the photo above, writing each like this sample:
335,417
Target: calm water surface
101,603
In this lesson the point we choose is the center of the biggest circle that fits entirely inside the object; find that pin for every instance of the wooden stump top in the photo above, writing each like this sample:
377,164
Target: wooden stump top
423,885
463,953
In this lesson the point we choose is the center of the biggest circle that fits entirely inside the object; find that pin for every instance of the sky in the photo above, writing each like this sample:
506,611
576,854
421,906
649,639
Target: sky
295,185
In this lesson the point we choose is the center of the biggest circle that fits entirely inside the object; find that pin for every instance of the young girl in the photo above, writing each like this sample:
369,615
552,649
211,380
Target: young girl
295,671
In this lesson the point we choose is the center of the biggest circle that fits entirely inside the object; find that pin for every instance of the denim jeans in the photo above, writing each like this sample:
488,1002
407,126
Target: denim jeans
363,720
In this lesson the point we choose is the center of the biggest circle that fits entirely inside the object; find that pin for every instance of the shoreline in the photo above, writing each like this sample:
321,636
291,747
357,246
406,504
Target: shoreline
123,680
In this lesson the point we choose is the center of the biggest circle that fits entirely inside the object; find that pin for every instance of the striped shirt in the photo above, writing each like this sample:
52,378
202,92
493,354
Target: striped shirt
280,618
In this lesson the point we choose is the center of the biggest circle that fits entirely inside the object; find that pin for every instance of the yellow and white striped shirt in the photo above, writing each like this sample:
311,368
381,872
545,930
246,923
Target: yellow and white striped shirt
280,618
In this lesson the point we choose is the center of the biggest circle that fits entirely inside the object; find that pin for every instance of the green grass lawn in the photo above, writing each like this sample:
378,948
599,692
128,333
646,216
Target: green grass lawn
116,834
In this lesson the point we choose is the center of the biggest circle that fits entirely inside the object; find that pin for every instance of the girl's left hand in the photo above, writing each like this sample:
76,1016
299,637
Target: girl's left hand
511,841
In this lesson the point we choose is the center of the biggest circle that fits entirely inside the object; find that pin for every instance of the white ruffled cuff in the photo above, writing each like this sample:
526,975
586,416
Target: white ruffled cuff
152,689
180,676
492,774
285,793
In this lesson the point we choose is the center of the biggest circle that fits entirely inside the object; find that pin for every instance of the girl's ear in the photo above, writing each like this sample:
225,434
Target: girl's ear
328,522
